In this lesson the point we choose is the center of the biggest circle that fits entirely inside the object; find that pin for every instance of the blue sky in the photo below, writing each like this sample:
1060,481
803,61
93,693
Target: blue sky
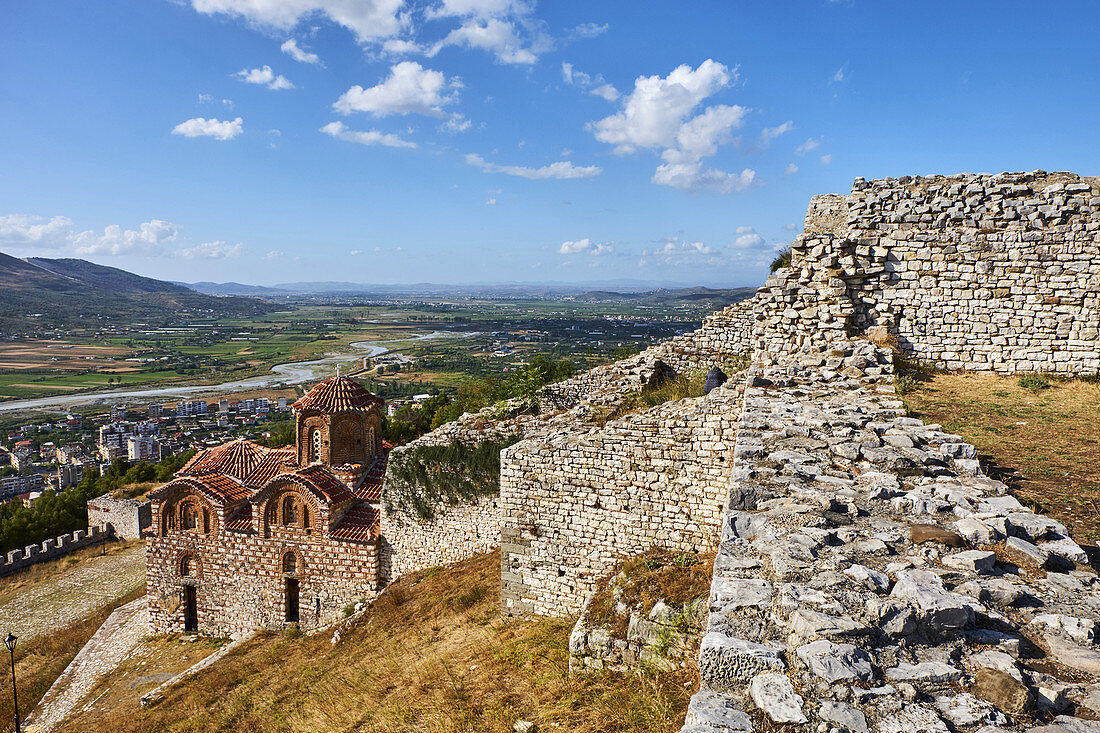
459,141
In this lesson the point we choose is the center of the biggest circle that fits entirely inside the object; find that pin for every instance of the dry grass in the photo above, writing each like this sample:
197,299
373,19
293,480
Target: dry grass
675,578
1044,443
17,583
40,662
432,653
682,387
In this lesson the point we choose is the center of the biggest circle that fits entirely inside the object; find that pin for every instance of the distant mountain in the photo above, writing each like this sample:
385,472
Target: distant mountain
232,288
714,297
38,292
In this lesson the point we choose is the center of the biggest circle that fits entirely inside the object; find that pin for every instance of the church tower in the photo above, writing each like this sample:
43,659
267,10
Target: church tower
338,423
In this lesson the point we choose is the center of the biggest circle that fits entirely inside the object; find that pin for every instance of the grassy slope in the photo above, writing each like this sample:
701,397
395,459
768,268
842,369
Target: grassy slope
1045,444
432,653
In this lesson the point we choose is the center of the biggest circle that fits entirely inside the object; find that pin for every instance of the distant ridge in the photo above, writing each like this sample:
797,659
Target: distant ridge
40,292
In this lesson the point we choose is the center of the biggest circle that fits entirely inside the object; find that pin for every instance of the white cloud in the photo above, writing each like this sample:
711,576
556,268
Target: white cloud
660,114
585,246
21,230
490,201
409,89
747,238
355,252
655,111
560,169
826,159
589,30
369,137
480,8
606,91
58,233
400,47
264,76
792,227
210,99
810,144
369,20
497,36
594,84
770,133
838,75
692,176
456,123
296,52
791,169
217,129
218,250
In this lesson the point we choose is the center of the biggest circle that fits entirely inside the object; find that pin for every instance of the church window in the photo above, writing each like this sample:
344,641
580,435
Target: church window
188,567
315,454
290,563
290,511
206,521
188,517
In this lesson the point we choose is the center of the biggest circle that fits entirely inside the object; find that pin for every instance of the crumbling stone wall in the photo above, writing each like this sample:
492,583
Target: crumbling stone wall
126,518
576,501
454,532
978,272
869,577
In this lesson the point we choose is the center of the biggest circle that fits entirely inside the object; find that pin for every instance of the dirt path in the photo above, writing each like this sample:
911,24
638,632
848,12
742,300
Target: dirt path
114,641
73,595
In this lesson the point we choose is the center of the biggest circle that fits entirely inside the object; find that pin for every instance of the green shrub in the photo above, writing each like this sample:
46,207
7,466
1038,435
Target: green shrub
782,259
904,384
1034,382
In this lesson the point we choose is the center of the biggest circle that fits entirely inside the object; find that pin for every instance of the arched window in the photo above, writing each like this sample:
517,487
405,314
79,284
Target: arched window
189,518
290,511
305,519
290,563
206,521
371,450
188,567
315,454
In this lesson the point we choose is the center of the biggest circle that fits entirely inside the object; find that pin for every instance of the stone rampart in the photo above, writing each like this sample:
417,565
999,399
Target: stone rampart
977,272
454,532
575,501
126,518
869,577
17,560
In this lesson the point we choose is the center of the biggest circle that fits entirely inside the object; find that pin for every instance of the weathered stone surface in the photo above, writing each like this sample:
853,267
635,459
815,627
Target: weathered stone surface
936,606
712,711
725,662
913,719
774,694
1004,692
1024,553
836,662
965,710
845,716
976,561
920,533
926,672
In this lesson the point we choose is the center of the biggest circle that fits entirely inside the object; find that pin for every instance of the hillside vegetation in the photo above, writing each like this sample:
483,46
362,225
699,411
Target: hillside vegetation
432,653
40,291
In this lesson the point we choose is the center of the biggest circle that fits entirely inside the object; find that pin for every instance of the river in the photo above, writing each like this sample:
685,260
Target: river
281,375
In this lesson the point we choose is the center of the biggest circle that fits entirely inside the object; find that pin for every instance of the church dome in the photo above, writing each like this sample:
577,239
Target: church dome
338,394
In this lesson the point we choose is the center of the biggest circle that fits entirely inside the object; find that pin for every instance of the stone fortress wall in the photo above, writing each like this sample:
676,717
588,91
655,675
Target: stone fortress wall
126,518
52,549
977,272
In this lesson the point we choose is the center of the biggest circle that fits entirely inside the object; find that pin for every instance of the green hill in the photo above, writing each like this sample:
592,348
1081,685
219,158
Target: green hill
40,292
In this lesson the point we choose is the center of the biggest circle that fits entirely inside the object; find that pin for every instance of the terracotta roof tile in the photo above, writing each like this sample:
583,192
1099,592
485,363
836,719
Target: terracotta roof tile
360,524
320,483
237,458
218,487
370,487
338,394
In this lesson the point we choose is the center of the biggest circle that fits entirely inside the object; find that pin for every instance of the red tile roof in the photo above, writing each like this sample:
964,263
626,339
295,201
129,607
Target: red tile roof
360,524
319,482
237,458
370,487
218,487
338,394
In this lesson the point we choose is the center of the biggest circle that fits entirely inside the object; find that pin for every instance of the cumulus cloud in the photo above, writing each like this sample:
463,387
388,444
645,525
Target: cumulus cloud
218,250
264,76
826,159
210,99
747,238
606,91
58,233
368,137
560,169
480,8
808,146
660,114
153,238
215,128
585,246
498,37
791,169
296,52
369,20
676,251
409,89
692,176
792,227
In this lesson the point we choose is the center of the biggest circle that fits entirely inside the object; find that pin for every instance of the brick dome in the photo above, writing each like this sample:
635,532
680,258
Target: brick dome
338,394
